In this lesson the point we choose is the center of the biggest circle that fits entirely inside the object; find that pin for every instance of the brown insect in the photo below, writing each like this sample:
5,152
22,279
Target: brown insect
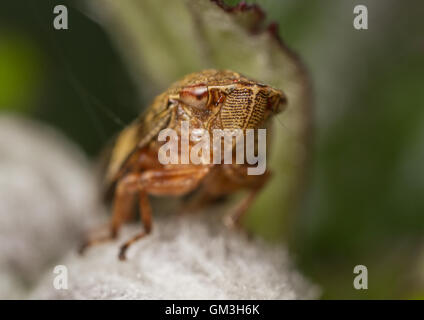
208,100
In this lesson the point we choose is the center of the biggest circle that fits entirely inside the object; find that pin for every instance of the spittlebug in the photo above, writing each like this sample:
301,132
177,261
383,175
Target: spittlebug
207,100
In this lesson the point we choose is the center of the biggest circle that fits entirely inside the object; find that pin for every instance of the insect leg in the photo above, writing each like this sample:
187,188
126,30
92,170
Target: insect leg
235,217
146,218
203,196
122,209
196,202
175,181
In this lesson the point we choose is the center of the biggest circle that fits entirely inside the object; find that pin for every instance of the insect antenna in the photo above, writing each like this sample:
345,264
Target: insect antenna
281,123
98,127
107,111
92,100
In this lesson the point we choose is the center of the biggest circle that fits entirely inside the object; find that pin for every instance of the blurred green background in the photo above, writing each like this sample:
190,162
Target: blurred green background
364,202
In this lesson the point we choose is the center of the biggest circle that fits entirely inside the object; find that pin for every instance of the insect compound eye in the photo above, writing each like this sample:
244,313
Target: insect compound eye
195,96
277,102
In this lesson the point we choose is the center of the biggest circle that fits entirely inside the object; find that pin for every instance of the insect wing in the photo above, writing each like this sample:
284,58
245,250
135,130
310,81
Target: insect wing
135,136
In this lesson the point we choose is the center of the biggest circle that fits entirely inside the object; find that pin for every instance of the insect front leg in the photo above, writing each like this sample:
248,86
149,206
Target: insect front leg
256,184
122,209
166,181
146,219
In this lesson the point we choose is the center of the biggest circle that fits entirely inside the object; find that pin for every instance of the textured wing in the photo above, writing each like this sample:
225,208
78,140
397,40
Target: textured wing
135,136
